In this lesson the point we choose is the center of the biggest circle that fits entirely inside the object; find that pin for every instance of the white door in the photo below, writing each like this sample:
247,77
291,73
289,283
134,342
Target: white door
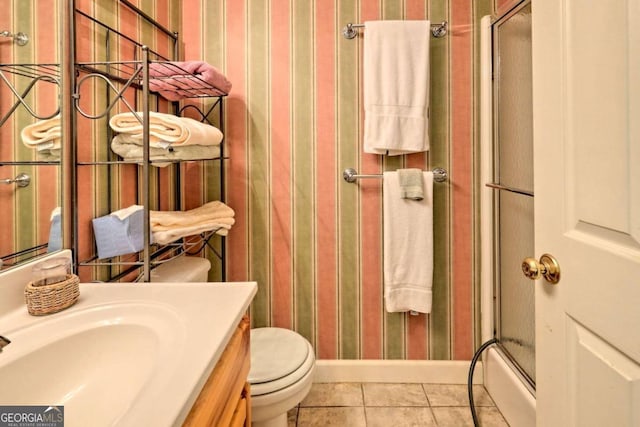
586,75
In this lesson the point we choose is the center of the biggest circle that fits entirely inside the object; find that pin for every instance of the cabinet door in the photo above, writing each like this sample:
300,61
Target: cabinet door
221,395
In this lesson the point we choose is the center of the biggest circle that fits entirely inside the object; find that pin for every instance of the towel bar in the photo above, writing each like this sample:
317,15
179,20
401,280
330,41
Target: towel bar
350,175
437,30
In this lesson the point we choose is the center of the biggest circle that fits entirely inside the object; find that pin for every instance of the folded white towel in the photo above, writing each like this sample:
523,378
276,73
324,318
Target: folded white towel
129,148
408,246
166,129
49,155
396,86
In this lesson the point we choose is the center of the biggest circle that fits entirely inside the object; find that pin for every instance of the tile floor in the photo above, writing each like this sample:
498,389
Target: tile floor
397,405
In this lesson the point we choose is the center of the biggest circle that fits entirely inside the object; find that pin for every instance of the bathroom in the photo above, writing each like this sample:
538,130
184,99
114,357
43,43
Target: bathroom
293,122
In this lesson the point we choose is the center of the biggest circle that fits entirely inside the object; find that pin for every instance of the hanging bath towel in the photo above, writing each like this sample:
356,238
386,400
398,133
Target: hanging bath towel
408,246
396,87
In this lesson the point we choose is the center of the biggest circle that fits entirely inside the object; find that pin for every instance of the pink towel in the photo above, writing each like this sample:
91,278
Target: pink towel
179,80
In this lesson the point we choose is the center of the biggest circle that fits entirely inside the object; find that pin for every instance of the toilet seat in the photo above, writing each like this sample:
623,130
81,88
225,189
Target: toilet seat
279,359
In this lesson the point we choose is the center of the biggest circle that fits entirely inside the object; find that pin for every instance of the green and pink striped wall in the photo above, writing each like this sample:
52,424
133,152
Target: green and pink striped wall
293,122
25,212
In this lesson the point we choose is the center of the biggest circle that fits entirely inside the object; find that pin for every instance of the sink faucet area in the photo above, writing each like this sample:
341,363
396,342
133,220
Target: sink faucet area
124,354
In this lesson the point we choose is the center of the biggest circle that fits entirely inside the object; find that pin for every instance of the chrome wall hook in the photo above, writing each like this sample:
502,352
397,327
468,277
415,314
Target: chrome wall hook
20,38
349,31
21,180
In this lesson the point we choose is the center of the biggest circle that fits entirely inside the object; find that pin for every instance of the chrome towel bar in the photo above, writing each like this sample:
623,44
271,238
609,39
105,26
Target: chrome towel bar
437,30
350,175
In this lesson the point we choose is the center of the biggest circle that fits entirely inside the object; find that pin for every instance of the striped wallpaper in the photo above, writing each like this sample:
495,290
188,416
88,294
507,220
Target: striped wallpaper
503,6
27,209
293,123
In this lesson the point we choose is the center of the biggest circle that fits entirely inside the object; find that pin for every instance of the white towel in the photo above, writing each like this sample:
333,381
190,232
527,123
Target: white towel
396,86
166,129
129,148
408,246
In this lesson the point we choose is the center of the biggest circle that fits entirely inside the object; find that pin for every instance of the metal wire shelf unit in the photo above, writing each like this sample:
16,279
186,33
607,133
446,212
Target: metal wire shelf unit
21,79
34,73
119,77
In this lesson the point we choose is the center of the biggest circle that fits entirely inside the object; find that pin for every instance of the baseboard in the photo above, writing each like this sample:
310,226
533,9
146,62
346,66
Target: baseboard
516,403
396,371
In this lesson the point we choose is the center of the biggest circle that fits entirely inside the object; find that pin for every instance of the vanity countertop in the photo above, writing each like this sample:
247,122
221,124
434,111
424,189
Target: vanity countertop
140,352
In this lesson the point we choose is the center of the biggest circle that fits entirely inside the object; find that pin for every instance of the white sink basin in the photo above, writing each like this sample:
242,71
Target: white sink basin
125,354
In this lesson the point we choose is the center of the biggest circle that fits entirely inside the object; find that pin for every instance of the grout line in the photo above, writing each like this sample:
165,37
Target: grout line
426,394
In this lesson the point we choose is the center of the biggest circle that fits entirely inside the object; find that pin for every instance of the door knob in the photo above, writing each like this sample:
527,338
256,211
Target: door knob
547,267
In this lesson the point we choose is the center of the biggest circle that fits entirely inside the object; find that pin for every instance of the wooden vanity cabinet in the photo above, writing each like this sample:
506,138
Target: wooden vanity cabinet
225,399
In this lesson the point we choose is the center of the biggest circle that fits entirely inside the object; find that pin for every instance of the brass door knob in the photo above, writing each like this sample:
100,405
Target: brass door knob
548,268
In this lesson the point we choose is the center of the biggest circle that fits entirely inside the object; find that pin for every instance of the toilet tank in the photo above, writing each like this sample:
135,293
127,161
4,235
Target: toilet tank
182,269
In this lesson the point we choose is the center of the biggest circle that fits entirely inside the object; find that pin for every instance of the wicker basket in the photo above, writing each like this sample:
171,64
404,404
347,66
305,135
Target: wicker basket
52,298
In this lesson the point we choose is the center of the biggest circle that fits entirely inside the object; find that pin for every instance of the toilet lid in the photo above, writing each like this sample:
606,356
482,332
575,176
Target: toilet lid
275,353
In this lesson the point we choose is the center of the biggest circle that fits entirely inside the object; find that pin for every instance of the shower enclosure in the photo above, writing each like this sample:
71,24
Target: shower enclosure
508,213
513,196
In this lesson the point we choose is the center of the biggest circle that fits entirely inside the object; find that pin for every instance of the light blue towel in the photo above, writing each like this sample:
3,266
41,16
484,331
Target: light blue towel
119,233
55,231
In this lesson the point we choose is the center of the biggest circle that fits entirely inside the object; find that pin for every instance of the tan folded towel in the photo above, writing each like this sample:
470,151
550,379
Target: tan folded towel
167,129
220,227
169,226
163,220
411,184
43,134
129,148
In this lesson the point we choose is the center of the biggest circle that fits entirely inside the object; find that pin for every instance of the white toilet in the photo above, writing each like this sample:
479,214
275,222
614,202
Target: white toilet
282,361
282,364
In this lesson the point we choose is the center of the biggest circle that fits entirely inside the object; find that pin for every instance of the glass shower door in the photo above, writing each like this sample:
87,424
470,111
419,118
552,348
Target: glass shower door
513,174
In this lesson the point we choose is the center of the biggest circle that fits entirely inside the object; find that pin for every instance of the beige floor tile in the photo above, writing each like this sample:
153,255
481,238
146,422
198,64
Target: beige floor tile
292,417
399,417
383,394
332,417
456,395
334,394
460,416
491,417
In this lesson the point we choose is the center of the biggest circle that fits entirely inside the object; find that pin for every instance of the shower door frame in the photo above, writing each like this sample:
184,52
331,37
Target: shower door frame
495,210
